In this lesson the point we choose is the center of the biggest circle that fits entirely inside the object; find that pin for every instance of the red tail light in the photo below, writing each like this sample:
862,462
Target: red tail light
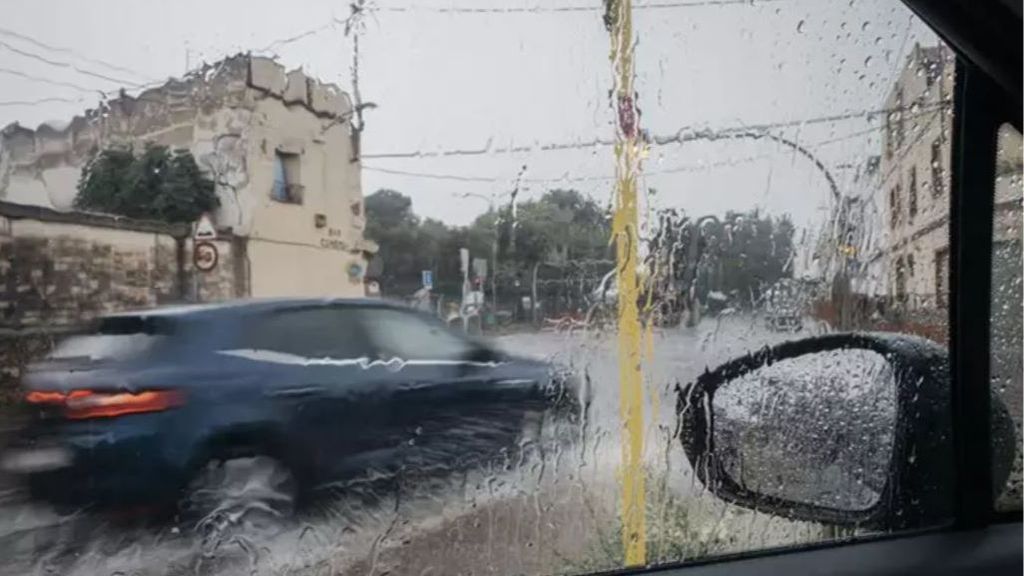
82,404
37,397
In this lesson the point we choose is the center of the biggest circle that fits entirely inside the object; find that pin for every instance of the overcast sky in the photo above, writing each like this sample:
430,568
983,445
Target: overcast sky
456,80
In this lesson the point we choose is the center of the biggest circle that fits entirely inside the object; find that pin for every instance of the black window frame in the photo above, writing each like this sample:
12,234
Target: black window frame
987,94
981,107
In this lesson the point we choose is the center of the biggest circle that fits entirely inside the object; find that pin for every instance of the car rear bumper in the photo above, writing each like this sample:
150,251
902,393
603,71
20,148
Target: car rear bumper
88,464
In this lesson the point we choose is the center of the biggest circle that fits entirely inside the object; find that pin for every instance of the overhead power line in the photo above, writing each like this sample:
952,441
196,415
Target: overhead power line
68,66
49,81
69,51
596,7
300,36
503,10
491,179
683,135
675,170
40,101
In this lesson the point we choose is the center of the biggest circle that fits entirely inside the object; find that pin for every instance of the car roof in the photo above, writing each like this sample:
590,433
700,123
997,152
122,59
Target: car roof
250,306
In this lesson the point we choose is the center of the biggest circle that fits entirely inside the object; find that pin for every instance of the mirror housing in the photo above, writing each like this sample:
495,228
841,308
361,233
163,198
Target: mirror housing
919,487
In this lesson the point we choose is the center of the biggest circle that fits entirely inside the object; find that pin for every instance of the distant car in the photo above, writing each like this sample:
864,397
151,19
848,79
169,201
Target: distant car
784,321
783,307
164,406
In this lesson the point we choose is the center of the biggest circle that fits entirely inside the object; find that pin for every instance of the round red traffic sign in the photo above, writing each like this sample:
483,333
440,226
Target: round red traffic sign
205,256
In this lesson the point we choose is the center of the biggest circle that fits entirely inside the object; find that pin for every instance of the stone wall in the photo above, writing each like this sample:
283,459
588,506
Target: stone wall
17,350
59,270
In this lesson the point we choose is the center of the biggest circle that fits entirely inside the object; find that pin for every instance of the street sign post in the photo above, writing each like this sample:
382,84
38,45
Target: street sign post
204,229
480,268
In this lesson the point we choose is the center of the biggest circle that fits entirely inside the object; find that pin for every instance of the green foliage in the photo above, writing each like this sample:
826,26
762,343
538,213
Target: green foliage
741,254
391,223
756,253
156,185
561,225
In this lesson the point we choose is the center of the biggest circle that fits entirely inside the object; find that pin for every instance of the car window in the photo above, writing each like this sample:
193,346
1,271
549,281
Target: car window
622,195
1006,346
310,333
116,338
407,336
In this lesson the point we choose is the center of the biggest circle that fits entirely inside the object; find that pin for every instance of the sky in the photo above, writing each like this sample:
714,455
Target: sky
456,84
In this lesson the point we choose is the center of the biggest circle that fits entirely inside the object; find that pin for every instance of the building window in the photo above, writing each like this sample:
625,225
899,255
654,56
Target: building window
356,208
941,276
912,192
894,206
888,135
937,179
899,116
287,186
900,280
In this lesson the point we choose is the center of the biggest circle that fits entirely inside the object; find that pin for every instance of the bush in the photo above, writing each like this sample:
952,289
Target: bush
156,185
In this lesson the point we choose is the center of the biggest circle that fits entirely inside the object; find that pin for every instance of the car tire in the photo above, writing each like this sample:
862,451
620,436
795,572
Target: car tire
240,494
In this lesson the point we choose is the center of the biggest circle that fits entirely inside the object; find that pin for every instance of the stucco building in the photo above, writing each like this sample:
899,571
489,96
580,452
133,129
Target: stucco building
914,180
278,145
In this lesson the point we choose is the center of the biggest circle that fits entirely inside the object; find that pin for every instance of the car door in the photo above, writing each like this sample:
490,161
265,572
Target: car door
450,409
310,359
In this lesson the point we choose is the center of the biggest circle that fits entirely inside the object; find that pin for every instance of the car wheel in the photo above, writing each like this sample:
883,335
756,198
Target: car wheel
253,494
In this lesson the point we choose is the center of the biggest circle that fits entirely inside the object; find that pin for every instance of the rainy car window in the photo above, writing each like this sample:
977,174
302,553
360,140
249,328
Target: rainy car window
620,195
1006,347
311,333
406,336
103,346
120,337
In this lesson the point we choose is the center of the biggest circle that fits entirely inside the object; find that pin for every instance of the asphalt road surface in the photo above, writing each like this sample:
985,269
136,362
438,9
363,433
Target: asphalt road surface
550,511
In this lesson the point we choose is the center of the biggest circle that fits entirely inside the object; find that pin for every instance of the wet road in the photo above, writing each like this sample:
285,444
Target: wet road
552,510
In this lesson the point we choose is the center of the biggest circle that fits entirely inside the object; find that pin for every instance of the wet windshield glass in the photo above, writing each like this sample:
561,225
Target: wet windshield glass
617,195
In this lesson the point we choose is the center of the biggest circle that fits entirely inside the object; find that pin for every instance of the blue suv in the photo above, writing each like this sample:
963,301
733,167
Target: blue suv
149,407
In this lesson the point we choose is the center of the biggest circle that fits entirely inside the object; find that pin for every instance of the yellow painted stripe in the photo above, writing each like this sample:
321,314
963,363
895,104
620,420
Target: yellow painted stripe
630,336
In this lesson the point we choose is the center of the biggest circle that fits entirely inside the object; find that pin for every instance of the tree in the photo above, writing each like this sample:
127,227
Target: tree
390,222
388,210
742,254
156,185
560,226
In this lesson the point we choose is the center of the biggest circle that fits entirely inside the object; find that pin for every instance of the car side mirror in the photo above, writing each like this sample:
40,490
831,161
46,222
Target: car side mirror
844,429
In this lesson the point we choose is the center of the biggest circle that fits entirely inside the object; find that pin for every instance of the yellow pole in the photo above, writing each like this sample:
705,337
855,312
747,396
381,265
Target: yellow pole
618,19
